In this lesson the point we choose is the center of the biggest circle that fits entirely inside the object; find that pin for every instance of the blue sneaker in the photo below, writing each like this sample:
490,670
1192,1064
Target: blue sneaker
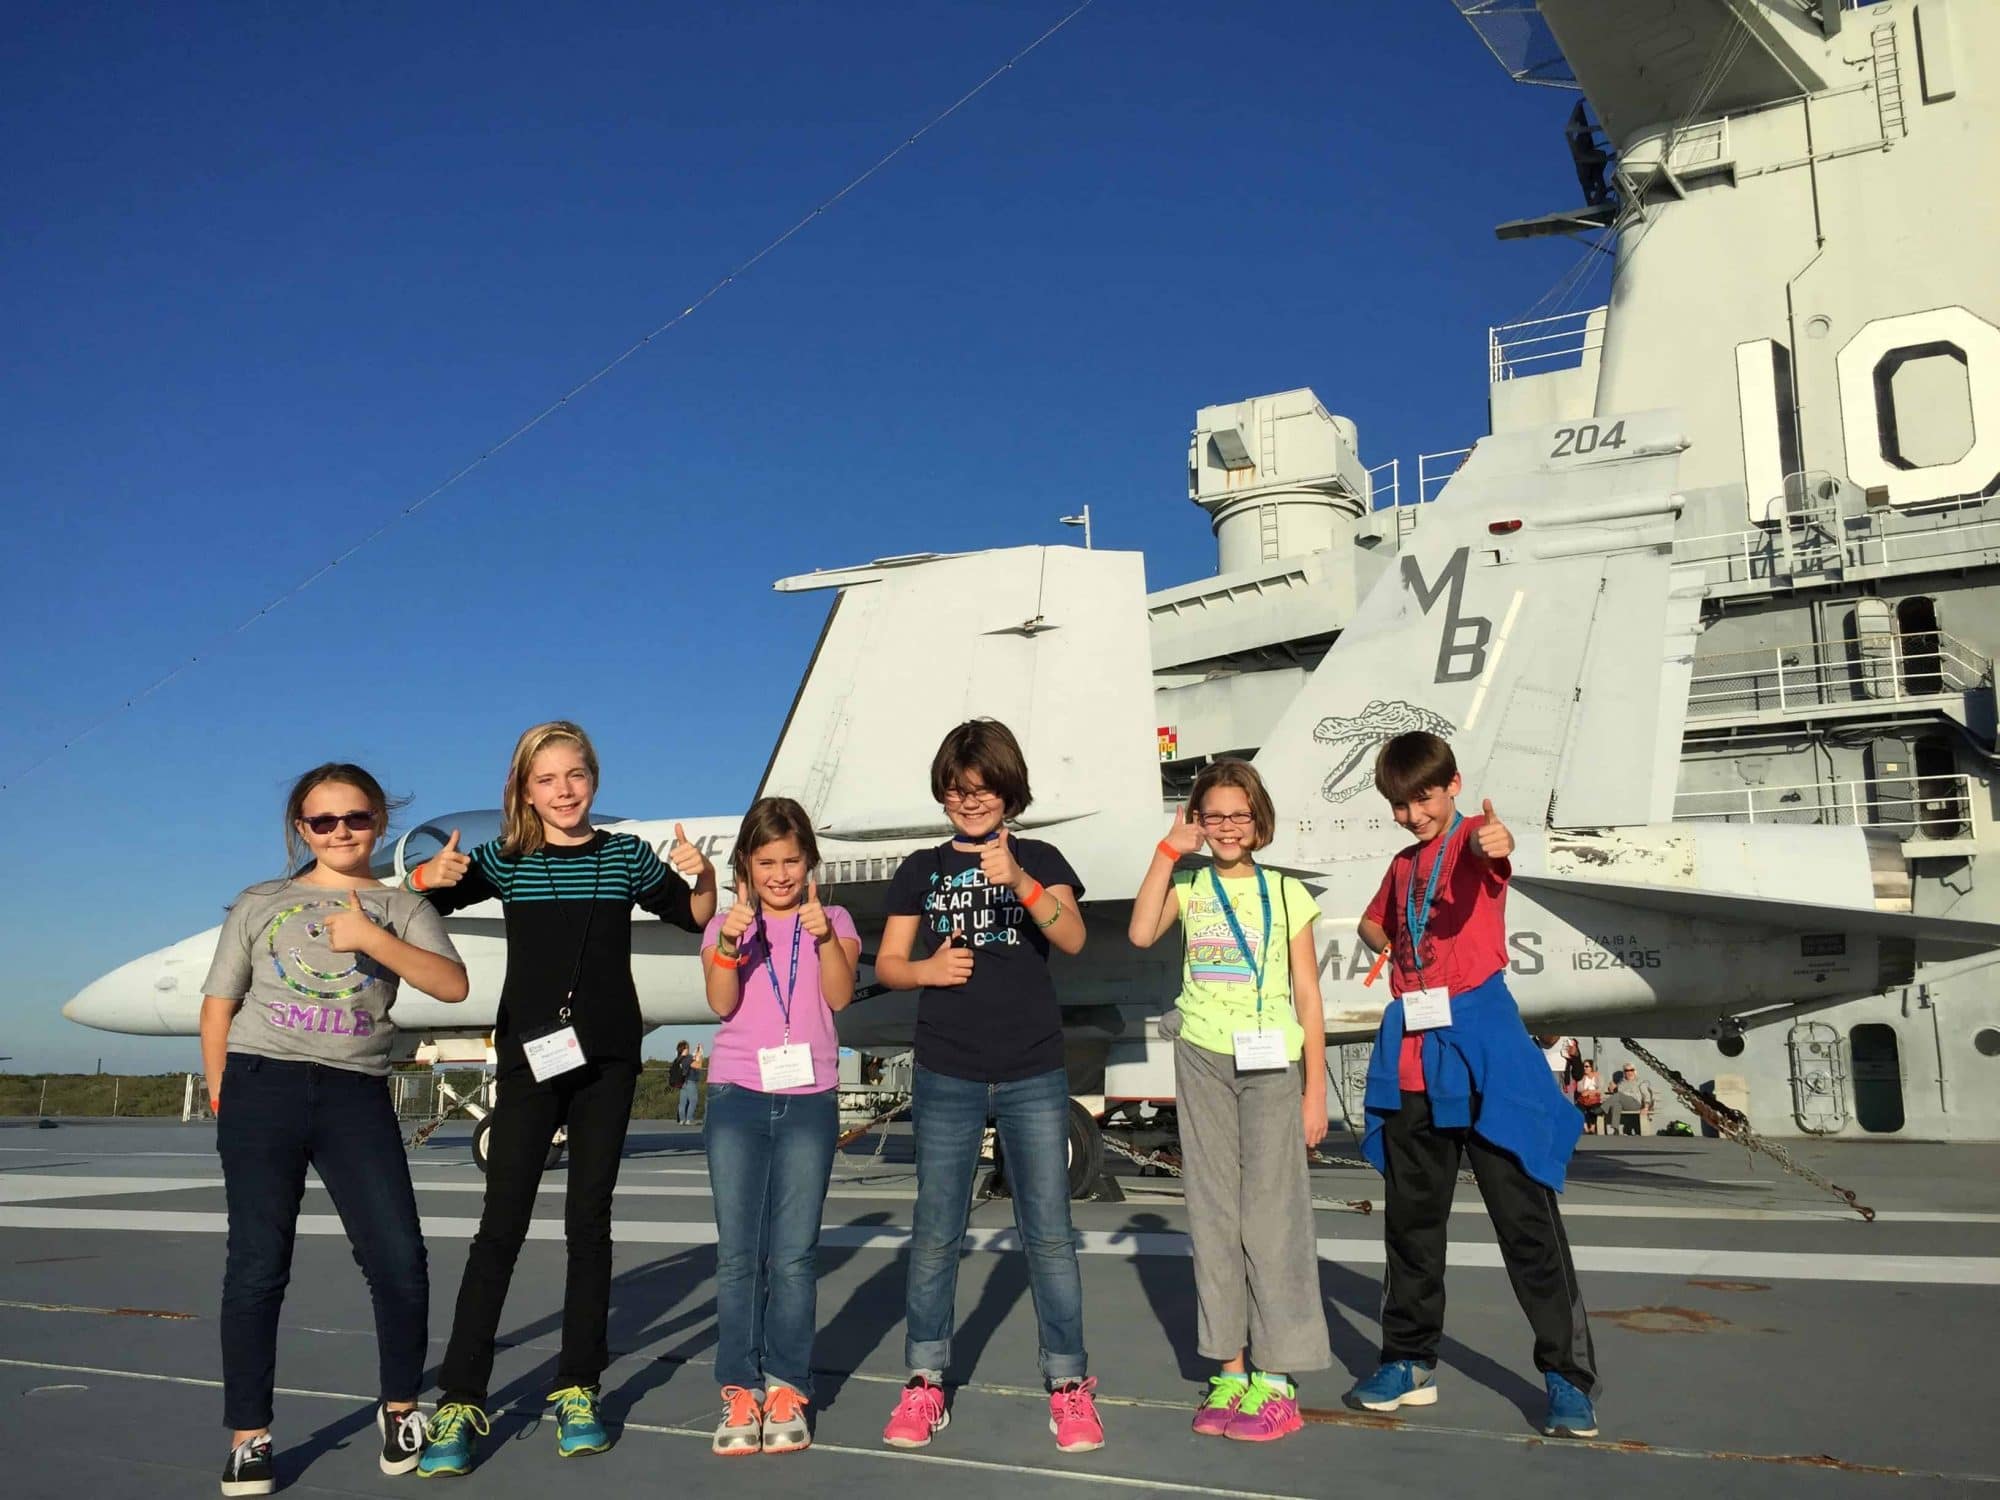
1570,1411
452,1428
578,1429
1400,1382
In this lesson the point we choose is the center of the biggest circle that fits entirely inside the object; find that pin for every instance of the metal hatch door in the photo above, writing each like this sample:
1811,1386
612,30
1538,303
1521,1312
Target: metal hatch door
1819,1078
1878,1078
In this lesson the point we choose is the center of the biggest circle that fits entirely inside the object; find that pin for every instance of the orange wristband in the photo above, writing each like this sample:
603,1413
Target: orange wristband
417,878
715,957
1033,896
1173,855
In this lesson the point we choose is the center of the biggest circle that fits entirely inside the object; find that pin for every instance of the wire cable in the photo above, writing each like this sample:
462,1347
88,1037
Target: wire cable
451,480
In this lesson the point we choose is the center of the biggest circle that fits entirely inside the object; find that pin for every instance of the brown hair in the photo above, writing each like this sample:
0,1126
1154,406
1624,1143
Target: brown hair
1411,764
334,772
520,828
771,819
988,747
1243,776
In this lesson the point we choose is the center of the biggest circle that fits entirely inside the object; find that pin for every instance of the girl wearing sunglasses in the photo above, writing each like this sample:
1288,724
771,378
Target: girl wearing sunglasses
295,1040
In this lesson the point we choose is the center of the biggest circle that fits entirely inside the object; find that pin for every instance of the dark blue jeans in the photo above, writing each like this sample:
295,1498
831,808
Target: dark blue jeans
769,1156
1032,1118
277,1118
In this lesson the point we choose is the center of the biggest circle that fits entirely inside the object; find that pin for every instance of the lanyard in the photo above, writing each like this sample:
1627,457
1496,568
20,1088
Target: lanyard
1416,922
1262,961
589,915
785,996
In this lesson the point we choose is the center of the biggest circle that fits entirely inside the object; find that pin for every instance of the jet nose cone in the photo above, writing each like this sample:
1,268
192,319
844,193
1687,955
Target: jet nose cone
156,995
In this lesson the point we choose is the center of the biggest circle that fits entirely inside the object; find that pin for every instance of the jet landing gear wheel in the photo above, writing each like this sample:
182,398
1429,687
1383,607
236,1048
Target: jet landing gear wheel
484,1129
1086,1158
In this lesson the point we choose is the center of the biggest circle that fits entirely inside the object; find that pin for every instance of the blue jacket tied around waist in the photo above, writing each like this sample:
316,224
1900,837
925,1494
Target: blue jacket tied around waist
1482,1072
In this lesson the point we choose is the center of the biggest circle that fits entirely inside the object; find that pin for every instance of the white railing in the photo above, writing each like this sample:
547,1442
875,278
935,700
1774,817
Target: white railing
1392,488
1435,469
1882,668
1822,540
1538,345
1918,807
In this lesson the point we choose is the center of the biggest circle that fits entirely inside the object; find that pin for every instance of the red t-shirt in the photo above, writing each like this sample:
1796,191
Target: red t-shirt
1465,943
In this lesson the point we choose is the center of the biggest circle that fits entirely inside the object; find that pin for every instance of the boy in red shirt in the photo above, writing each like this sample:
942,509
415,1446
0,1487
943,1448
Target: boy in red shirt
1454,1074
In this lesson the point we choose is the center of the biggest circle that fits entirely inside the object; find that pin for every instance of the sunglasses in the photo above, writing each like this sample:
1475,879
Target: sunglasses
357,822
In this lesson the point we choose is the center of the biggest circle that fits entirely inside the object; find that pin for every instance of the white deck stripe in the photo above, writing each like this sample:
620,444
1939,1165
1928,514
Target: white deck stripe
884,1454
1933,1270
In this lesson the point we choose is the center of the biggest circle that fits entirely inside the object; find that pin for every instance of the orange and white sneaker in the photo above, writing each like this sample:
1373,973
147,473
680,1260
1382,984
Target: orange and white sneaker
1073,1417
785,1429
741,1430
919,1413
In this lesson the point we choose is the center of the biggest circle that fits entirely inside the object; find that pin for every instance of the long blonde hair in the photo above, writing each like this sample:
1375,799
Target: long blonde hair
520,826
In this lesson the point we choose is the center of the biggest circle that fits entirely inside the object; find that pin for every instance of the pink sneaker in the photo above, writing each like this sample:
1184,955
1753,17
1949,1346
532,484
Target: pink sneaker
1268,1411
1073,1417
1225,1394
918,1414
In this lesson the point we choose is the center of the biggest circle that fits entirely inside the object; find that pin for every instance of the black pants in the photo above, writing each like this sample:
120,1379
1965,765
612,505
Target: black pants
278,1116
595,1102
1422,1174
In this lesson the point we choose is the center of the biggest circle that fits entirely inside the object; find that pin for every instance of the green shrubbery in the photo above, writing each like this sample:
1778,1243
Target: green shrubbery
145,1096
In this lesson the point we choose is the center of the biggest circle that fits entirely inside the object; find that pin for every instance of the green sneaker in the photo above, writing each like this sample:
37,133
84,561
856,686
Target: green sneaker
1269,1410
453,1426
1225,1392
579,1430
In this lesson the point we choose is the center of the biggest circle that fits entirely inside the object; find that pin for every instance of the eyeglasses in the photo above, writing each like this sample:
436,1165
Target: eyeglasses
1227,820
357,822
958,796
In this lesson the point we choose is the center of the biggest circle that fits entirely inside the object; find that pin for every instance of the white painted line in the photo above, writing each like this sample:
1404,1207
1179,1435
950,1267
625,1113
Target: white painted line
1933,1270
884,1455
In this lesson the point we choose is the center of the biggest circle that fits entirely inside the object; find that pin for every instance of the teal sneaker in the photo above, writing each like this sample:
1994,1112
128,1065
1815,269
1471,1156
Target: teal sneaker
579,1430
1399,1382
1571,1414
453,1426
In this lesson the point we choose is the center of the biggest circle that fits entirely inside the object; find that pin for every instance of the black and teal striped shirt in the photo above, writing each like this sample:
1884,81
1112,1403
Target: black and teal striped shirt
569,921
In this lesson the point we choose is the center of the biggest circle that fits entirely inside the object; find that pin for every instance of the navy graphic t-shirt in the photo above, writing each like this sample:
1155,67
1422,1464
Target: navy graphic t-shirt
1003,1023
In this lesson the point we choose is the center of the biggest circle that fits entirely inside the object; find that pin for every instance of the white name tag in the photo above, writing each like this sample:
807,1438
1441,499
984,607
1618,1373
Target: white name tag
1426,1010
553,1053
787,1067
1259,1050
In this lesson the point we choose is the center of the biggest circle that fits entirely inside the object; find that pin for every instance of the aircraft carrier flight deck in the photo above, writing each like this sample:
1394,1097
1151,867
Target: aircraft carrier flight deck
1755,1337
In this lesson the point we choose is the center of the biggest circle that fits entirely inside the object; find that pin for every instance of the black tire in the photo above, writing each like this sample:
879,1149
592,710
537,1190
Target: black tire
1086,1151
480,1132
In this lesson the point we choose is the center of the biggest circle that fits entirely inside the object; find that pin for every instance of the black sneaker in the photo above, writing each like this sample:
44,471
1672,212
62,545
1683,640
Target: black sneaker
403,1434
248,1471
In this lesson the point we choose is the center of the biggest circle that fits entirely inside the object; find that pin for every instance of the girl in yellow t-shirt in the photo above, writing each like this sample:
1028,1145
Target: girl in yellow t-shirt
1250,1080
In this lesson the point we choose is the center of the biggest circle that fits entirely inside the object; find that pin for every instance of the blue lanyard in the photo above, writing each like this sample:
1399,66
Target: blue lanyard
1262,959
1415,922
785,995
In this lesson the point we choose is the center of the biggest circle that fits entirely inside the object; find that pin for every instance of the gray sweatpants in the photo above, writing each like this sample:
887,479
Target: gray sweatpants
1256,1252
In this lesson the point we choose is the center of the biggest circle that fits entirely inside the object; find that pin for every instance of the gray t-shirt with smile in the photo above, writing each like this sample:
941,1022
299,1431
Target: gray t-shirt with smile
301,1000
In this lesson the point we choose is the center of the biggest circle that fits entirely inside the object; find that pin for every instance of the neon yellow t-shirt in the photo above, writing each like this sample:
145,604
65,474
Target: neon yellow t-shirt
1218,983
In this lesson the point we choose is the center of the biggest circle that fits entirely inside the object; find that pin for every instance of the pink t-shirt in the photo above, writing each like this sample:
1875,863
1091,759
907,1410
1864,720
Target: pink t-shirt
759,1021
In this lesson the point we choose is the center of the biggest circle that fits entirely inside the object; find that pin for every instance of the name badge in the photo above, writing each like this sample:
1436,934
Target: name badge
553,1053
1257,1051
1426,1010
787,1067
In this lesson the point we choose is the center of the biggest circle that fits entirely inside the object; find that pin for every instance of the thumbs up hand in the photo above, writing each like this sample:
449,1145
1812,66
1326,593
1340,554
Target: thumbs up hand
997,861
686,856
349,929
1184,834
1493,840
446,867
812,916
740,916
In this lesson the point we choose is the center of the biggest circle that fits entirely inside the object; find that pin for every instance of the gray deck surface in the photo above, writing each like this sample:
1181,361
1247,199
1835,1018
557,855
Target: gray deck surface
1754,1337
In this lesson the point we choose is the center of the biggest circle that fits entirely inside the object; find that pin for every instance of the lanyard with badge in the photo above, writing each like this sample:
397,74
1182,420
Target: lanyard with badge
1256,1049
790,1064
555,1050
1425,1009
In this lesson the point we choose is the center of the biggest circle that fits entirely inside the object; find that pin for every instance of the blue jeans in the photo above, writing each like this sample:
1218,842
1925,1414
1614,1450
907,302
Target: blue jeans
1032,1117
684,1108
769,1156
278,1116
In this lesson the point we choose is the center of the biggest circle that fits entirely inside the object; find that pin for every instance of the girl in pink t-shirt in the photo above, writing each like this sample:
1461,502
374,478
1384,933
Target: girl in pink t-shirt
777,964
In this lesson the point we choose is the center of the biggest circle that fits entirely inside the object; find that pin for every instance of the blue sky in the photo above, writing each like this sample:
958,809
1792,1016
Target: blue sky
266,280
